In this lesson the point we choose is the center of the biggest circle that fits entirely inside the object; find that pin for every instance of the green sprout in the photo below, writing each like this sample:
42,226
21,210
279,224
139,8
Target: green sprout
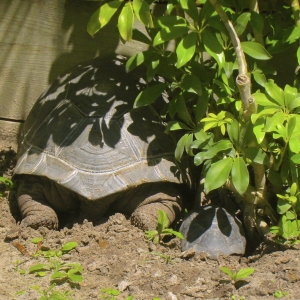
162,229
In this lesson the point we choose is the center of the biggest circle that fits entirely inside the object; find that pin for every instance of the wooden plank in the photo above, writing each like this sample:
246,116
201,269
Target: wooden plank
40,39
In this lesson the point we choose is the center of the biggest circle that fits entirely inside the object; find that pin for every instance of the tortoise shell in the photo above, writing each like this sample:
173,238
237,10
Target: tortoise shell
83,133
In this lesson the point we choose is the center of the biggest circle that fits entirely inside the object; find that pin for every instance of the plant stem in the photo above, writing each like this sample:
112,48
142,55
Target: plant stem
296,11
253,6
242,80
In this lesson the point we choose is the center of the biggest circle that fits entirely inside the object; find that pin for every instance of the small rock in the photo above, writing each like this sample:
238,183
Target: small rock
13,233
123,285
188,254
173,280
171,296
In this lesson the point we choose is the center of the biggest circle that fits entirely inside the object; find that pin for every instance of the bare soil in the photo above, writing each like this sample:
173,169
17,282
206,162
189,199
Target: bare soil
116,255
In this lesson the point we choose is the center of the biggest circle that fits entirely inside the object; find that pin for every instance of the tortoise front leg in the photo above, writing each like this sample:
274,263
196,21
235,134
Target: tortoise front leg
34,208
144,202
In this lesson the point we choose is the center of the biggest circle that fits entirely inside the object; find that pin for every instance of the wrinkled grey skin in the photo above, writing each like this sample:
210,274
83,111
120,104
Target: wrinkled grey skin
84,148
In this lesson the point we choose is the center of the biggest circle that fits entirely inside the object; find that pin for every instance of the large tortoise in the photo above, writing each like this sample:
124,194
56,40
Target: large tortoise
84,148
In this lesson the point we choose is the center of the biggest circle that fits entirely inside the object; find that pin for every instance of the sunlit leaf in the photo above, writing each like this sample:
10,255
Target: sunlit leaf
189,6
125,22
244,273
186,49
240,175
217,174
142,11
275,92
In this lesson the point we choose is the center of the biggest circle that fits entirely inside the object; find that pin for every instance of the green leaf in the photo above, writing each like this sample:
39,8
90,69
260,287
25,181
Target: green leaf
222,145
150,94
182,110
273,121
283,206
240,175
36,240
261,99
170,231
175,125
241,23
58,275
257,130
257,21
217,174
139,36
201,106
291,125
290,93
93,25
268,111
192,84
259,77
136,60
255,50
75,277
102,16
275,92
227,271
181,146
186,49
168,22
189,6
233,130
213,47
167,34
68,246
38,267
162,220
142,11
244,273
125,22
294,144
294,104
256,155
293,189
296,159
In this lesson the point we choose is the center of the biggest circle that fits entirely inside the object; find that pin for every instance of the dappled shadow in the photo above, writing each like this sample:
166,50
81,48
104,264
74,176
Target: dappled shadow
83,133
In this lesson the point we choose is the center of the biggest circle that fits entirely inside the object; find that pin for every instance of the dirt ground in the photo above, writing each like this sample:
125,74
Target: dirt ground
115,255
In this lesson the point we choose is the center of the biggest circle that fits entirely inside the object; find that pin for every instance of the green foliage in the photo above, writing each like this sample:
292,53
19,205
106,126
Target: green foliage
246,142
51,294
8,185
288,229
236,276
59,270
112,294
168,259
162,230
280,294
53,252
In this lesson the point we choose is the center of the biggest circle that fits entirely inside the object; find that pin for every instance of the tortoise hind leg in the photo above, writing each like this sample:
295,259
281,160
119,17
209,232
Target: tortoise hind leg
34,208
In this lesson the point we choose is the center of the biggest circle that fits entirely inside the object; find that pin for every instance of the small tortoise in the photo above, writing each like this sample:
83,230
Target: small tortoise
83,148
212,229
